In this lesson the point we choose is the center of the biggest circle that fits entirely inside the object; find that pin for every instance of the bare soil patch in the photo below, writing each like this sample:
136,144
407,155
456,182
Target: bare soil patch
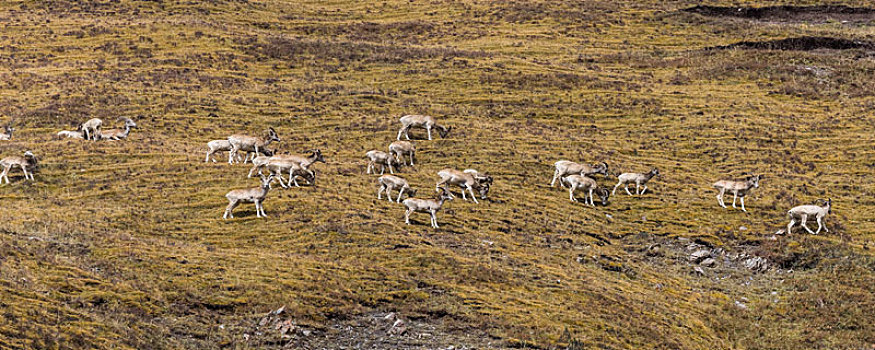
816,14
805,43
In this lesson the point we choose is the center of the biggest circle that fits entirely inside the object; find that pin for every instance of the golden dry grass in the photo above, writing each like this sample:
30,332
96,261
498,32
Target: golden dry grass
121,244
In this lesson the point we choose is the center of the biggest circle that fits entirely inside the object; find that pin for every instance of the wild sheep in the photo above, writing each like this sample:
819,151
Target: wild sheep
802,213
251,143
565,168
421,121
91,128
585,183
252,195
392,182
383,159
639,179
7,133
738,189
467,180
277,167
117,134
315,155
216,146
430,206
75,134
402,148
27,162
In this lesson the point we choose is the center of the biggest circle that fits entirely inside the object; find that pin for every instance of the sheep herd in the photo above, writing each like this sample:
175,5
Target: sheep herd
574,176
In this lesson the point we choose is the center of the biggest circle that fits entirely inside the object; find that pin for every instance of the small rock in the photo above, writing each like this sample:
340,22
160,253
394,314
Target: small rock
708,262
699,271
280,310
756,264
399,327
609,216
306,332
740,305
390,317
780,232
742,228
700,255
221,326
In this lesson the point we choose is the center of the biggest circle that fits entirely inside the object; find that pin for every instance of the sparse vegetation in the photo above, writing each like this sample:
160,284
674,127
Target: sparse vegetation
122,244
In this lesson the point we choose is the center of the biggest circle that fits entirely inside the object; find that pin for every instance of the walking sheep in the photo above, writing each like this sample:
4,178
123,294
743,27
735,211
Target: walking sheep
252,195
430,206
639,179
565,168
251,143
27,162
392,182
803,212
738,189
585,183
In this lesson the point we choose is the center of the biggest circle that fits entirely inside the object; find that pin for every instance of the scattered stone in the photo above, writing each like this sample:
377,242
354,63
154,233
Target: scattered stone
280,310
390,317
780,232
654,250
700,255
742,228
698,270
756,264
709,262
740,305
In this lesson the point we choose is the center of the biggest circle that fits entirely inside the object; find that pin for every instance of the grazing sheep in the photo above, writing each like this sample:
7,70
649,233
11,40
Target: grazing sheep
467,180
738,189
402,148
430,206
392,182
117,134
585,183
802,213
565,168
251,143
305,161
91,128
7,133
383,159
277,167
421,121
75,134
639,179
27,162
252,195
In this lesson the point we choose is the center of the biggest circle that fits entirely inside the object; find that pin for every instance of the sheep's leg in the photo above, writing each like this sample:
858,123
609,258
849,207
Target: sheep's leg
472,194
411,158
804,219
819,225
251,171
720,197
428,127
790,225
734,198
571,194
626,187
391,171
3,175
613,192
382,169
294,179
644,189
380,191
591,202
231,154
434,219
261,205
399,133
399,195
407,216
369,168
555,176
231,205
26,176
209,153
742,204
819,219
637,189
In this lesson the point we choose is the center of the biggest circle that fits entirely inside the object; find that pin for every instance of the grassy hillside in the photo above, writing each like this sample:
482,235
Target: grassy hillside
121,244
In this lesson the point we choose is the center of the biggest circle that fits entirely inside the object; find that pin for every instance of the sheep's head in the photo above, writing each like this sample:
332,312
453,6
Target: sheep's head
601,168
268,152
755,180
603,194
9,129
272,135
310,176
445,194
317,154
411,192
483,185
445,131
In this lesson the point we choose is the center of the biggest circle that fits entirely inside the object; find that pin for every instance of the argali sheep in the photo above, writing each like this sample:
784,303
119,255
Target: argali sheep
254,195
467,180
118,134
382,159
392,182
315,155
74,134
91,128
7,133
564,168
401,148
585,183
803,212
216,146
430,206
277,167
251,143
27,162
421,121
639,179
738,189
